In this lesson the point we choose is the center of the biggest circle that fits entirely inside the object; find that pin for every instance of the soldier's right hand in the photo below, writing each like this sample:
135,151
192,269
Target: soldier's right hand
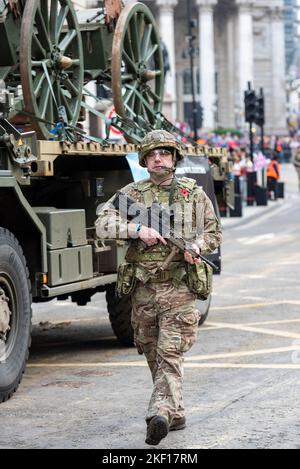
150,236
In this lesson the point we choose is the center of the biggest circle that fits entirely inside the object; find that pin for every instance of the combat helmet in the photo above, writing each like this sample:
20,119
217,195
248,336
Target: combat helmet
159,139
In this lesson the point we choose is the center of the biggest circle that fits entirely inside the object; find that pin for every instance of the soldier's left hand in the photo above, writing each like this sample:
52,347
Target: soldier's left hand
189,258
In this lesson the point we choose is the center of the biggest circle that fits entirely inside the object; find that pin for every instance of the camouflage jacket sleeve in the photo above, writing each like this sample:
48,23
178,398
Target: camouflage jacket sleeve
109,223
209,232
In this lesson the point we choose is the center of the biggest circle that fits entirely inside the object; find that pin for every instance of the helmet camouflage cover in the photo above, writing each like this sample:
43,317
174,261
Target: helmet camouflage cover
159,139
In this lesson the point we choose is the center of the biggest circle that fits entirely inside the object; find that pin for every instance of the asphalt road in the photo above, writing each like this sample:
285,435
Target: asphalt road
81,389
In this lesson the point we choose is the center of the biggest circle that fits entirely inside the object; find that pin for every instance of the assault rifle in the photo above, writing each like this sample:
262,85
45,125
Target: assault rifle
159,218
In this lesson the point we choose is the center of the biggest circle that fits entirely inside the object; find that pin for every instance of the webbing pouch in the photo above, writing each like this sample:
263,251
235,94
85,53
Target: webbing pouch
126,279
199,279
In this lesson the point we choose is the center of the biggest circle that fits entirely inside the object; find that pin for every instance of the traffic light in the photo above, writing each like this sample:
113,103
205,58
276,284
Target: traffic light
250,106
260,111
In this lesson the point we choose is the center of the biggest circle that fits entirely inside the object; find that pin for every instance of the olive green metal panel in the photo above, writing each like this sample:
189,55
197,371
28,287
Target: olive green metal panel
69,265
51,292
8,55
94,45
97,41
9,36
64,228
9,181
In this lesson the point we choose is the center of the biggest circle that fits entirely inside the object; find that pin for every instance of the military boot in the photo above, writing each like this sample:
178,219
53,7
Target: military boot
177,424
157,429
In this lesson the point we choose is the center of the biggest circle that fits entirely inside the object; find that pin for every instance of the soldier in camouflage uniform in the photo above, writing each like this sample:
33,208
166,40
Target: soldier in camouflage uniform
164,316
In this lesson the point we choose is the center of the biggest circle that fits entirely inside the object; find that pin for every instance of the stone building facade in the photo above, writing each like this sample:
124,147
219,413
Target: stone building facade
238,41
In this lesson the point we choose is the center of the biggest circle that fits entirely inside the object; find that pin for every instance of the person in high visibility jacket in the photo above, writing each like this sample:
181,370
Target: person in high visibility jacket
273,175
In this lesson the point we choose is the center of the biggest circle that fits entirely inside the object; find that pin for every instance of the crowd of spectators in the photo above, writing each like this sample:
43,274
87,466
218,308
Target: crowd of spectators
282,147
274,149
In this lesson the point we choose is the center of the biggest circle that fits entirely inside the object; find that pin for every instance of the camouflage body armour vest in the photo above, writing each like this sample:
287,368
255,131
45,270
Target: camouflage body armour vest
179,195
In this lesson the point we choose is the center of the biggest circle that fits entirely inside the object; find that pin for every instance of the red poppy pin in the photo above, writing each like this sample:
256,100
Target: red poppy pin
185,193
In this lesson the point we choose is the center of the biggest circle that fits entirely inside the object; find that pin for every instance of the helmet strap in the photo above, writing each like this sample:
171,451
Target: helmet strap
175,157
166,174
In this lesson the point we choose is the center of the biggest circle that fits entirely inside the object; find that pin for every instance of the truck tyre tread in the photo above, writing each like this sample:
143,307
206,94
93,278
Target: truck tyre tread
18,369
119,310
204,307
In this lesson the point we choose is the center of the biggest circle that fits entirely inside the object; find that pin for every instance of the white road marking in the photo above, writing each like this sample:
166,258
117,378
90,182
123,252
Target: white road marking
287,262
246,290
256,239
279,321
240,327
259,366
255,305
247,353
267,366
238,275
256,298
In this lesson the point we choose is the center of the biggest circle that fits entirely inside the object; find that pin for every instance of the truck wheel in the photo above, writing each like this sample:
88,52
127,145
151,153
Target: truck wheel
119,310
15,314
203,307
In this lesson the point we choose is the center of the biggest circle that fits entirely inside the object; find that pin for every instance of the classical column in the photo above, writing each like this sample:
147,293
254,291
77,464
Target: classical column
167,33
207,61
245,46
278,104
231,120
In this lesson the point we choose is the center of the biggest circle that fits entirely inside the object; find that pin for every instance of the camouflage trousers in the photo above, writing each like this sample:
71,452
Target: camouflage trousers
165,323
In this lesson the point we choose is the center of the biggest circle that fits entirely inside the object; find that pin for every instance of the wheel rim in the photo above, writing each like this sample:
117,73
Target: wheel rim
7,285
137,65
51,62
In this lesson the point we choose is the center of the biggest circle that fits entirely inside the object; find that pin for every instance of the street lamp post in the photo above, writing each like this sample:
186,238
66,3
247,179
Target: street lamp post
191,54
